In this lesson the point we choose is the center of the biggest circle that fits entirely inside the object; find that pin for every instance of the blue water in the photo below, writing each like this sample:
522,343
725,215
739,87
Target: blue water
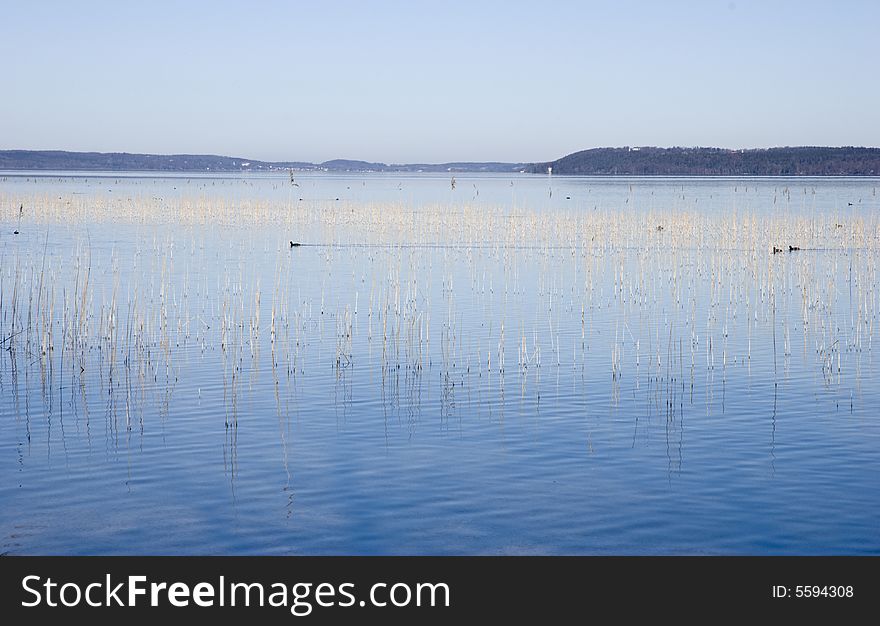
650,392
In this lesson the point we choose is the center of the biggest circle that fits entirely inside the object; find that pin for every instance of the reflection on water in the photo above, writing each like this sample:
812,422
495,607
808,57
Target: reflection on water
625,366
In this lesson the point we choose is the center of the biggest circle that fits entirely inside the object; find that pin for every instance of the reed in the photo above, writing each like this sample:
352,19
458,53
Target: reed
646,298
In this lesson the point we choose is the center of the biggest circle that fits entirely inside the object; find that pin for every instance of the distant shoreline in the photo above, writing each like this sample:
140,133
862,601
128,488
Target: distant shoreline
21,173
605,162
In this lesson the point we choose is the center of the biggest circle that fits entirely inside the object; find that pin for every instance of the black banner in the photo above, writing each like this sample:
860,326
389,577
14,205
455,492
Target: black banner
433,589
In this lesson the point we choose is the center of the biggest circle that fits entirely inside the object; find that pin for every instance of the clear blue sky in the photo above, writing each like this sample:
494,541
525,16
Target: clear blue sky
438,81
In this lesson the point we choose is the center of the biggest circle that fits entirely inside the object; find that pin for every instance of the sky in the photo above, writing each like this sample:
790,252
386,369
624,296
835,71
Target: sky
404,82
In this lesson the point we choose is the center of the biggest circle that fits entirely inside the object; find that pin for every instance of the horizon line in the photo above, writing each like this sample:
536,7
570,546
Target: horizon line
393,163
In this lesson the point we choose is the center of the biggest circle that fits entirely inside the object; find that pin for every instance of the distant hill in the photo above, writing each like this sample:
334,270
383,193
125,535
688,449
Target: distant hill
124,161
118,161
649,161
643,161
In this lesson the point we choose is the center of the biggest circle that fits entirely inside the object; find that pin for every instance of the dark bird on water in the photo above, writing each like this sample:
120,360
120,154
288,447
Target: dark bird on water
776,250
660,228
849,204
295,244
793,248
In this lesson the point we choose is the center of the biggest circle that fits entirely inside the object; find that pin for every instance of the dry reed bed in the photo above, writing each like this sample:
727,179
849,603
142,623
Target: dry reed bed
685,290
342,223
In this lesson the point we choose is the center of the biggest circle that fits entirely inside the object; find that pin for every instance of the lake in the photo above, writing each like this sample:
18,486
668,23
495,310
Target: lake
443,364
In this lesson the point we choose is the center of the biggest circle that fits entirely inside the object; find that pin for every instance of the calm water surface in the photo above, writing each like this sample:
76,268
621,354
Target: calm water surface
516,364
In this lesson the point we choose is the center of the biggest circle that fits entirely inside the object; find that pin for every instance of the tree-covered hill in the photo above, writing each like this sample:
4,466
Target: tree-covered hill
800,161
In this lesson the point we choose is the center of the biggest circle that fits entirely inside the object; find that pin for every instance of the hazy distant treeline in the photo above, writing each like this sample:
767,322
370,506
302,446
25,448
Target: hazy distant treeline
804,161
124,161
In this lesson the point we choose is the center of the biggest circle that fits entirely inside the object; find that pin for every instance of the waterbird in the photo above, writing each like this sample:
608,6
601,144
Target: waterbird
793,248
776,250
295,244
